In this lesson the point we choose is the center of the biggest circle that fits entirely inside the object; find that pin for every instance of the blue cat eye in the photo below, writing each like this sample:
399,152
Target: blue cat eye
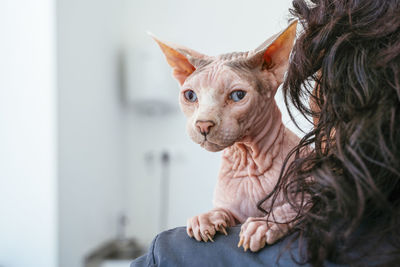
190,95
237,95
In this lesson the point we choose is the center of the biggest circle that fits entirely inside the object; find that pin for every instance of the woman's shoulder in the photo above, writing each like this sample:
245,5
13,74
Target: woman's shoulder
175,248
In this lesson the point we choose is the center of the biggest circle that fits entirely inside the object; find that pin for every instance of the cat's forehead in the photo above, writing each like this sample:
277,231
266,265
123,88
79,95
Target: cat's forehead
223,72
238,61
232,59
220,77
234,56
217,75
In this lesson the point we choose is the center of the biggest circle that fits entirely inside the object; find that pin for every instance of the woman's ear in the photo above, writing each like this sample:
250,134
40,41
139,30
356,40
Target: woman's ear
182,60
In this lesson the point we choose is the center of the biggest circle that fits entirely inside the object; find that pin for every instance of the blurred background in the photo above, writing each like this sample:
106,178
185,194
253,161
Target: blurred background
93,147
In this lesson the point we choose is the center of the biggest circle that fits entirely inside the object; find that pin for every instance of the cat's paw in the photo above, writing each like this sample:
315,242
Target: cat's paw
255,233
204,226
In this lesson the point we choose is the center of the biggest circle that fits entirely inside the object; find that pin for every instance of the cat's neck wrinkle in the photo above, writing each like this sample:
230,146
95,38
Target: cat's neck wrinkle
265,131
258,151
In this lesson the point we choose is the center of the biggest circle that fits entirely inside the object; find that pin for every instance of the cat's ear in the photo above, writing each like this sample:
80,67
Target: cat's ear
183,61
274,53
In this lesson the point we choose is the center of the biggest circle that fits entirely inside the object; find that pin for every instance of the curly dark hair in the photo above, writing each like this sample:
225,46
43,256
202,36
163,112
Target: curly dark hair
351,50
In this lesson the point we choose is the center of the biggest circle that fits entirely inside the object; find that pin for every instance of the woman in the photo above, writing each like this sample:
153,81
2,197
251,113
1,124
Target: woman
351,49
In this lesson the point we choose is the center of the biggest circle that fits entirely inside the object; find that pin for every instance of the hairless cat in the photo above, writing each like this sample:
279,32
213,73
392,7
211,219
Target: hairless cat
229,102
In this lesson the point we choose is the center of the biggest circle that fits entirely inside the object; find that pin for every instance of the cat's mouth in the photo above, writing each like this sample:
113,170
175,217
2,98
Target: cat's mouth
210,146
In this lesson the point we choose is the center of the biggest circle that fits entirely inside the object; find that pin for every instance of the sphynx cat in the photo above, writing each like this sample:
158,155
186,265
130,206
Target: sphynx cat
229,102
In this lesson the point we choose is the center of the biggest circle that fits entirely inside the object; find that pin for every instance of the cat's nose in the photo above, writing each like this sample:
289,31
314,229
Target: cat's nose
204,126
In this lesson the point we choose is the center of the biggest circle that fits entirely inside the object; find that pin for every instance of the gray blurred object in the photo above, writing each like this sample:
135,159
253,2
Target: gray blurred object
119,249
164,187
148,86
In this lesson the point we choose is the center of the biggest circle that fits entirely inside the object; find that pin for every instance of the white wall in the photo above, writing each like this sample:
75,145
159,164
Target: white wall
90,144
28,223
211,27
106,156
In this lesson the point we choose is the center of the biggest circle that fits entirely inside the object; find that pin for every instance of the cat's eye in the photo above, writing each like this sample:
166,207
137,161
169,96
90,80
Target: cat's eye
190,95
237,95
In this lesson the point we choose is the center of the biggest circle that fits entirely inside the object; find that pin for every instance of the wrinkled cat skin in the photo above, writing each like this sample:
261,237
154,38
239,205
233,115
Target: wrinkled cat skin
229,103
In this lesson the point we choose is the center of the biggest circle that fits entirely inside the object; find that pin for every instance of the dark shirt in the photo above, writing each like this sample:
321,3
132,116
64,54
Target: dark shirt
175,248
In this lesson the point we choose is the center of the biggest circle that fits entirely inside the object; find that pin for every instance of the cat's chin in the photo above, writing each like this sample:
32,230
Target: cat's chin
211,146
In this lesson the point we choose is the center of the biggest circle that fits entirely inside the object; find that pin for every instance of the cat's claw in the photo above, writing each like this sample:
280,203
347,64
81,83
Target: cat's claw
247,245
221,228
209,237
204,237
204,226
253,234
240,242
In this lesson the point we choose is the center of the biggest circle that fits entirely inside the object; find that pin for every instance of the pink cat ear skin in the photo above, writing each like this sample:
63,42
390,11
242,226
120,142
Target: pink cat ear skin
182,60
275,52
